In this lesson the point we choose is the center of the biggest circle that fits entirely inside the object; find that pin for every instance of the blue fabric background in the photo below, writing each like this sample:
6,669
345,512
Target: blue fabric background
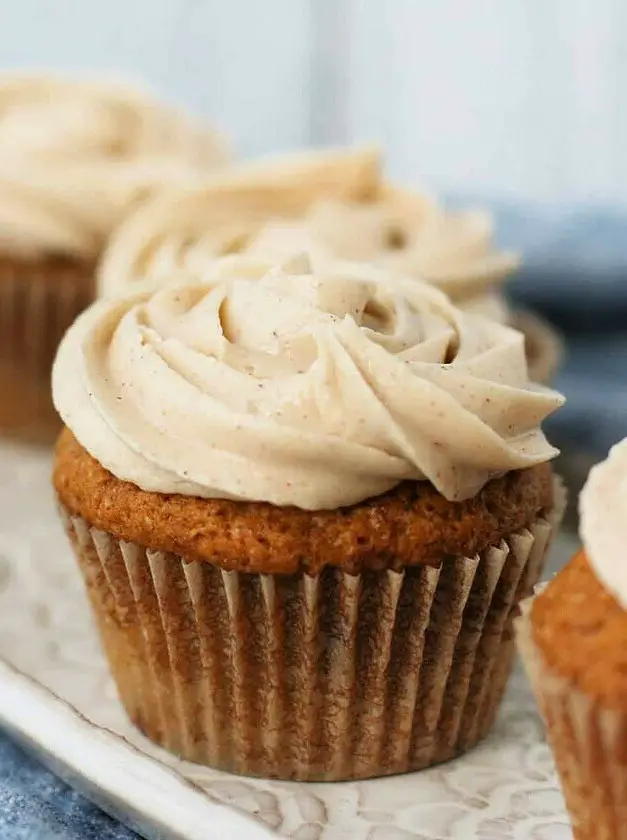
575,272
36,805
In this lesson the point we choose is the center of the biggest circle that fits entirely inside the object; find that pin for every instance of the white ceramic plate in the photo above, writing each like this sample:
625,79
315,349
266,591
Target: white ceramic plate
56,696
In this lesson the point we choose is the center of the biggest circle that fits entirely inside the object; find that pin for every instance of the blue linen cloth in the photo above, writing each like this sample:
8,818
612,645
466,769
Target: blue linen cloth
576,273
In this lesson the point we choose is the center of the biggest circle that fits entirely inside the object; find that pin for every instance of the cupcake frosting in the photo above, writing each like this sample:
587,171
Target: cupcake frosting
267,382
76,156
603,521
183,231
404,233
335,206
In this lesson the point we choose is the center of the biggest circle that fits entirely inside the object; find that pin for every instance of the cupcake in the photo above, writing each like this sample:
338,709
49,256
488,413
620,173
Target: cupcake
305,505
274,208
75,158
183,231
571,637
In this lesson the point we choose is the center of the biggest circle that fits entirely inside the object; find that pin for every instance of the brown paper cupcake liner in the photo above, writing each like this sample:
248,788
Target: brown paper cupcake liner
543,344
325,677
589,744
38,302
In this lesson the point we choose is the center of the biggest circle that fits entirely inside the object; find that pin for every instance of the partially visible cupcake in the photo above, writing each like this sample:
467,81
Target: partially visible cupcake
277,207
305,505
572,637
75,158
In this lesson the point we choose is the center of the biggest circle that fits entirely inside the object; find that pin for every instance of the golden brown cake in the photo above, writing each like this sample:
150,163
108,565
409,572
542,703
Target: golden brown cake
75,158
305,506
572,638
336,206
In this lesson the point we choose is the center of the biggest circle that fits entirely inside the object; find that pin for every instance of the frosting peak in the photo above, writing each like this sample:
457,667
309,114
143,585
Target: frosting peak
603,515
269,382
76,156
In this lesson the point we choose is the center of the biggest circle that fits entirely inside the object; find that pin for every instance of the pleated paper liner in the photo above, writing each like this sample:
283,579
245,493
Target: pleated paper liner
543,345
38,302
325,677
589,744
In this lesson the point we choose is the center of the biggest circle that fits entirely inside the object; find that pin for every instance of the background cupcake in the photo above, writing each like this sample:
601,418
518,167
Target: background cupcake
305,506
75,158
352,215
572,638
182,232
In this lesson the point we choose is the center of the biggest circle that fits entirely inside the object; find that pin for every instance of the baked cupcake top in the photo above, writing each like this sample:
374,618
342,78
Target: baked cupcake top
75,157
269,382
603,521
334,205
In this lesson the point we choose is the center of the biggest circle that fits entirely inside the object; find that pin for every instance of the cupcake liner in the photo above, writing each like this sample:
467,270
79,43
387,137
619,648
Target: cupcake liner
38,302
589,744
544,346
325,677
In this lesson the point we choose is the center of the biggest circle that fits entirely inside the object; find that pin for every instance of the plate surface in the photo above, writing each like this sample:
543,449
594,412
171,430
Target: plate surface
56,695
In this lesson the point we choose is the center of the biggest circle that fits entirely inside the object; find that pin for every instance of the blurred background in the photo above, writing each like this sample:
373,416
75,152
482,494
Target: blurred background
520,100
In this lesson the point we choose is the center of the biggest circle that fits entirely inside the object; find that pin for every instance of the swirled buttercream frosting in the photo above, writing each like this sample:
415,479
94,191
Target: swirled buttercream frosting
76,157
401,232
276,383
336,206
183,231
603,521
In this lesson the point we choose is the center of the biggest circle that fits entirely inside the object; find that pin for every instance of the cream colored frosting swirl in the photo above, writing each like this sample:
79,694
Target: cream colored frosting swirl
271,383
334,205
603,521
182,232
404,233
76,156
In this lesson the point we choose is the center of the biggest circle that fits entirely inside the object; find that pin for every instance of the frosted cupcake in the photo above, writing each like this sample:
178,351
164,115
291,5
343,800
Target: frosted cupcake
350,214
572,638
305,505
75,159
